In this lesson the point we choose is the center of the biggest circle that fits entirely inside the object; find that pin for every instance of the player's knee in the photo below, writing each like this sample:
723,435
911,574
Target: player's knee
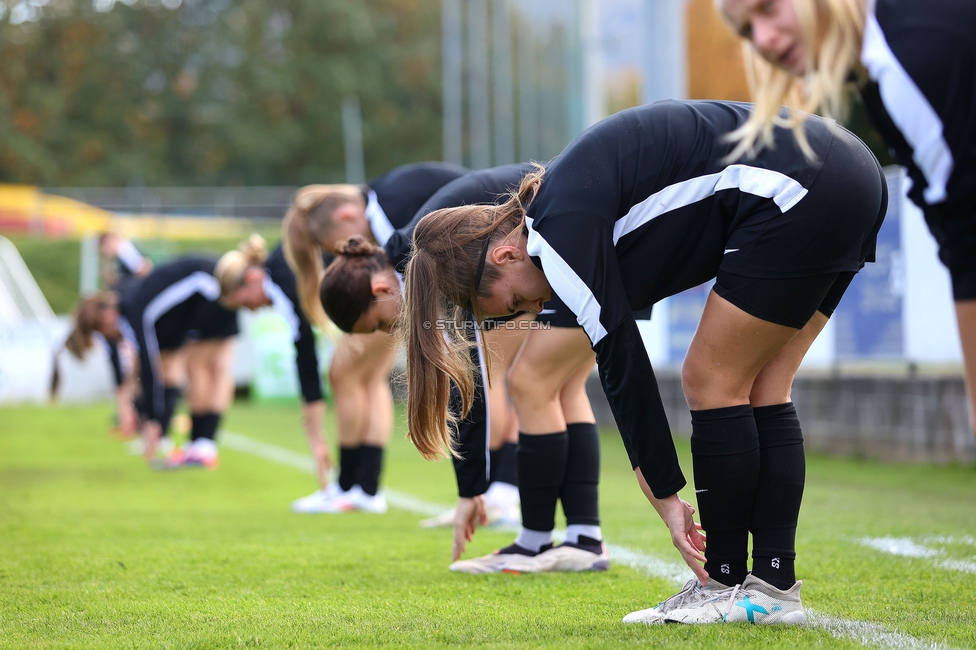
694,383
528,388
709,387
340,371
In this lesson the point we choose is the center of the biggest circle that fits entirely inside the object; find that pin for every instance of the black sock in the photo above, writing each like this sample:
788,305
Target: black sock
580,490
782,471
515,549
204,425
171,397
504,464
725,453
370,466
348,467
541,469
587,544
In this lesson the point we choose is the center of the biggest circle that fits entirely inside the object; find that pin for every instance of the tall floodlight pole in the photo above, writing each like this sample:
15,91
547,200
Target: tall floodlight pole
352,135
594,89
574,69
452,82
665,50
528,92
552,80
89,264
501,46
479,107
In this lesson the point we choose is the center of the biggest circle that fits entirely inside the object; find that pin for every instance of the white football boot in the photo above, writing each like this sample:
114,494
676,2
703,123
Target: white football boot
754,601
690,595
315,502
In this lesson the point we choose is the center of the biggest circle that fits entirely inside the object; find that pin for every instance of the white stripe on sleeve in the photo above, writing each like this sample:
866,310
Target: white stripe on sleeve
282,306
783,190
379,223
909,110
567,285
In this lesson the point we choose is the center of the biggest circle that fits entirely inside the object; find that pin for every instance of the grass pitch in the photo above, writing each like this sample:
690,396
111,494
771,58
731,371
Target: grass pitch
96,550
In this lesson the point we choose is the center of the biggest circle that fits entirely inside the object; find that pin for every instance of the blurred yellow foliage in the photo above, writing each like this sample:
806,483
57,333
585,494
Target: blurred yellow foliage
714,56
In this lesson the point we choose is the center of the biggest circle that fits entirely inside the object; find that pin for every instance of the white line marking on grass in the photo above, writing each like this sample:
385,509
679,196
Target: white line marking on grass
650,565
306,464
868,634
263,450
412,504
907,547
958,565
903,546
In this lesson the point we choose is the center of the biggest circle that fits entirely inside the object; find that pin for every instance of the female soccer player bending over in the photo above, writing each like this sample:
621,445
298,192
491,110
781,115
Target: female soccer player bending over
639,207
360,292
184,336
914,65
558,452
251,278
97,319
320,216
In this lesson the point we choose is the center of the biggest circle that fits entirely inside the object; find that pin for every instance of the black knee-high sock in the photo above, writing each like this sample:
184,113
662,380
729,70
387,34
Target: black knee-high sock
580,491
204,425
725,451
348,466
171,397
782,472
370,466
542,469
504,464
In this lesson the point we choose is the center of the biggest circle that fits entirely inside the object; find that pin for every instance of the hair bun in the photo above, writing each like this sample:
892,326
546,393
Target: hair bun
254,249
355,246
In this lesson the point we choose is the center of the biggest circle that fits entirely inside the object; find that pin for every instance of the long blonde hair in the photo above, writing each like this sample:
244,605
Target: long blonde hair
233,265
448,246
307,222
833,31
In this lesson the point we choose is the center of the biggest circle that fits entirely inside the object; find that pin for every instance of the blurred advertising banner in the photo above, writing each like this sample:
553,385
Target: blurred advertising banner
869,320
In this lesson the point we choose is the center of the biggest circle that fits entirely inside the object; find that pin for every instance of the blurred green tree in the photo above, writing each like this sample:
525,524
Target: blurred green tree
213,92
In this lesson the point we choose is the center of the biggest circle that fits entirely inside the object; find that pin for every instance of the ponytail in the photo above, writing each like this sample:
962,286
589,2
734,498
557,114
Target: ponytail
448,247
307,222
87,319
233,265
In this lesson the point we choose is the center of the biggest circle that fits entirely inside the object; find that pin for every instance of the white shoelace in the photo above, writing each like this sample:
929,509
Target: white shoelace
728,608
692,588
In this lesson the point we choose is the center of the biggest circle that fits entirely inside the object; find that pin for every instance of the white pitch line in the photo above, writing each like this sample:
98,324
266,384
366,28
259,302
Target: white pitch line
908,547
903,546
867,634
306,464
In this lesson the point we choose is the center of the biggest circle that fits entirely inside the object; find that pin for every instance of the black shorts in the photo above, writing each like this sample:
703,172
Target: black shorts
956,237
784,301
557,314
210,321
832,229
169,330
784,269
